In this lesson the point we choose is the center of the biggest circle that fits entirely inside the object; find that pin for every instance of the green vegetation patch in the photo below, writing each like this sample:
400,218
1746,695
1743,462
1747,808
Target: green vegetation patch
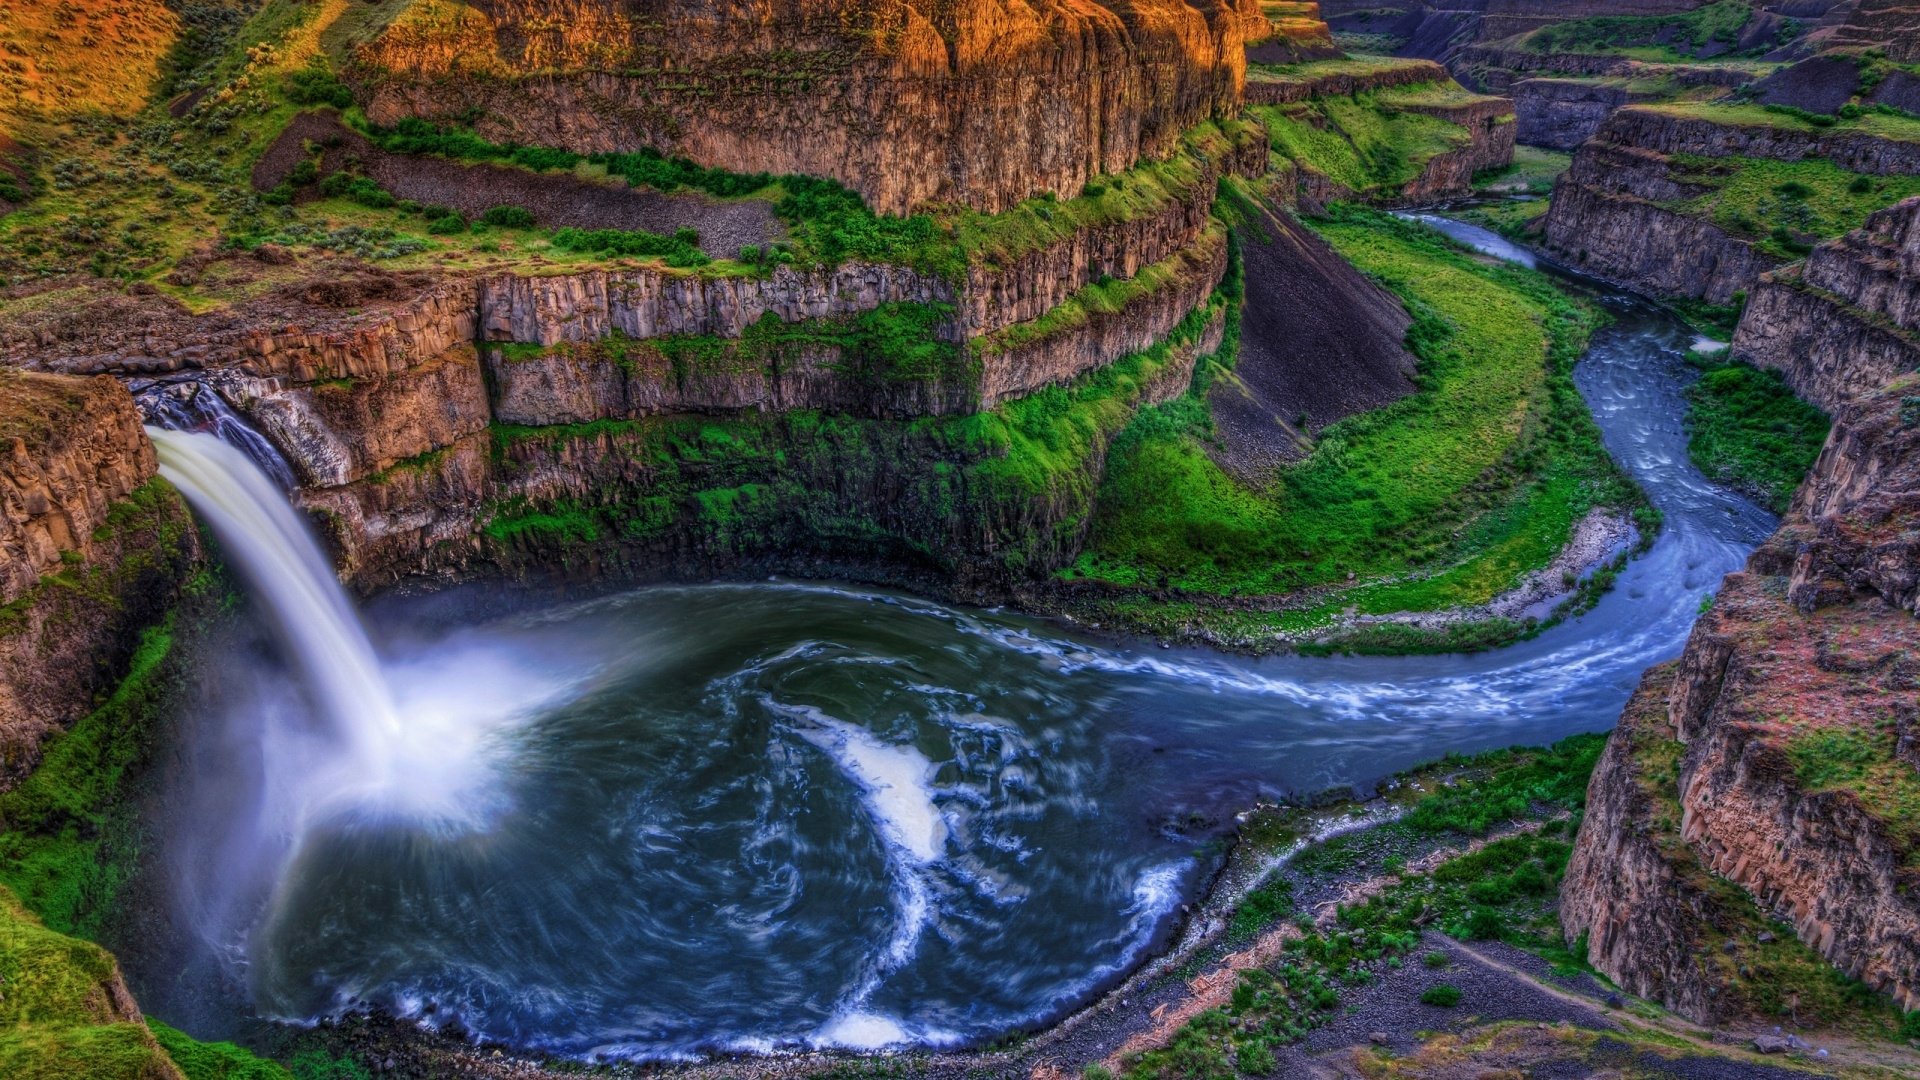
1746,429
1442,499
1004,490
57,1015
1363,143
1785,207
1506,890
1647,37
1863,763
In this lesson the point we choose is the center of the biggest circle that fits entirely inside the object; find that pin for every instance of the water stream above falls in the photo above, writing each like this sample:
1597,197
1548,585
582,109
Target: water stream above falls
750,816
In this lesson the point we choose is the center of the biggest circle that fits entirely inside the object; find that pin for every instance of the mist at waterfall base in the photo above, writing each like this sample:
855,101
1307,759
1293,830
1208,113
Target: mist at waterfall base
705,818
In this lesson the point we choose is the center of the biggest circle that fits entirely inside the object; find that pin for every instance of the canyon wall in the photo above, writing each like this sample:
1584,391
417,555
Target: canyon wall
1618,211
905,102
1847,321
1560,114
1771,774
92,550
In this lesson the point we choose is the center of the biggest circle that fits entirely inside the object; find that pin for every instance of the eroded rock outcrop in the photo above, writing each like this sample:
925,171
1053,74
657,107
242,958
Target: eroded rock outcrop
1560,114
1782,769
1622,210
92,549
1846,321
907,103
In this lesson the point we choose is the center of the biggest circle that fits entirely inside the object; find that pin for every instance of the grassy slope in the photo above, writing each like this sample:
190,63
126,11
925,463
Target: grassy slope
1443,499
1746,429
1645,37
1786,206
57,1018
1363,143
1505,891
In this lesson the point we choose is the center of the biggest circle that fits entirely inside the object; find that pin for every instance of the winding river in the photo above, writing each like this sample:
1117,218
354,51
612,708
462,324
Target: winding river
747,817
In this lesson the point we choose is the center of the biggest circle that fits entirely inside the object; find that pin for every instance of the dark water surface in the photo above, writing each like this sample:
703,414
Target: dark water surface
751,816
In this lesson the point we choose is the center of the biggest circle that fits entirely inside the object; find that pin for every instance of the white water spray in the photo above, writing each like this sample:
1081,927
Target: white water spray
425,761
292,579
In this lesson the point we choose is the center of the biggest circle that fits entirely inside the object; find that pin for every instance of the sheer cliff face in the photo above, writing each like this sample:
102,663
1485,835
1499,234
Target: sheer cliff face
90,551
1847,320
982,103
1778,763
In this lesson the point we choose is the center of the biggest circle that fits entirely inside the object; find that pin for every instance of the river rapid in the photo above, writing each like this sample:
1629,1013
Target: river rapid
715,818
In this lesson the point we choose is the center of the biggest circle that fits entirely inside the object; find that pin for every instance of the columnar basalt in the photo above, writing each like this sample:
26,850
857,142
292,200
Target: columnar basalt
905,103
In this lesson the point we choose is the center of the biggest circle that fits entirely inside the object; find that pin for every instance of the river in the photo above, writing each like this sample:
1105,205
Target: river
755,816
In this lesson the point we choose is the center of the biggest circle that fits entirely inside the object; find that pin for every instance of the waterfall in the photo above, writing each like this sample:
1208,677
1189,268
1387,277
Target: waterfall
420,738
194,406
271,547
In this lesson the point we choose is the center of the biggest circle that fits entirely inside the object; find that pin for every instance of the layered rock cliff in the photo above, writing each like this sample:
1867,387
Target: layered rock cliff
1624,211
92,548
1847,321
907,103
1773,771
1344,133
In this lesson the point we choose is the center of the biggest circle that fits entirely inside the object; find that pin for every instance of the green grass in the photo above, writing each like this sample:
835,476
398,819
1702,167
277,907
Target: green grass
1362,143
1647,37
1785,206
1885,125
1746,429
215,1060
1310,70
1442,499
1865,764
57,1021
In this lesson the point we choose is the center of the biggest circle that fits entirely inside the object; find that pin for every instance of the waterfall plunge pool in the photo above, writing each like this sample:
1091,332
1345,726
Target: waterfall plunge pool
698,819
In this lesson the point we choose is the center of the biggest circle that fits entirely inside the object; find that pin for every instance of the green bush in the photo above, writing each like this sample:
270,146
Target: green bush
1435,959
317,86
508,217
1443,996
1747,429
357,189
1255,1058
681,249
447,224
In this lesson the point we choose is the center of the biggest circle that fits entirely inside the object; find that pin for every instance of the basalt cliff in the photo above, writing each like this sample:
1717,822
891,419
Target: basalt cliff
1643,201
1761,790
982,104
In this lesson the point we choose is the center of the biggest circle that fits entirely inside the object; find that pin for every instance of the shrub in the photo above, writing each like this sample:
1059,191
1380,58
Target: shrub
357,189
304,173
1443,996
508,217
1793,189
446,225
1435,959
317,86
1861,185
1255,1059
680,249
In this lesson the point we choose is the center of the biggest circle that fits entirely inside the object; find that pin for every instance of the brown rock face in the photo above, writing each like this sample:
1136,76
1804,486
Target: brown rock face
73,448
982,103
92,549
1848,320
1787,734
1607,219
